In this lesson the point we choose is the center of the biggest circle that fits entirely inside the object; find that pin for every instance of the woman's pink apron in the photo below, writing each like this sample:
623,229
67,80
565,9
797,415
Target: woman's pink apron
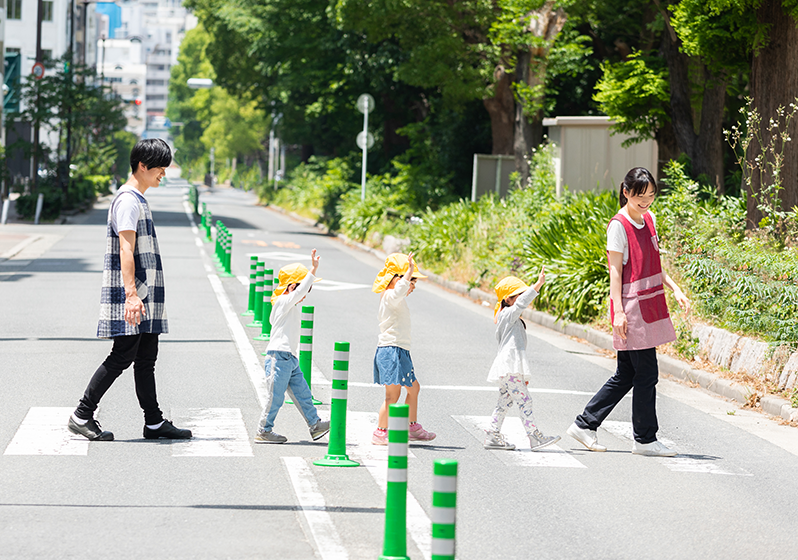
642,292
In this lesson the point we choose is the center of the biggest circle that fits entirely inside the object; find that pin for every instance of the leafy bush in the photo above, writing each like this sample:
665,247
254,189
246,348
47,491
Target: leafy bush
742,282
572,243
313,189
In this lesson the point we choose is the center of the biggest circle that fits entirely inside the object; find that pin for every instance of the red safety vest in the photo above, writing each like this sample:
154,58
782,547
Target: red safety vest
642,291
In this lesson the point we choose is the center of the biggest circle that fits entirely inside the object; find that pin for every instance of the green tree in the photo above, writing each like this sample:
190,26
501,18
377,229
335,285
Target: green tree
492,50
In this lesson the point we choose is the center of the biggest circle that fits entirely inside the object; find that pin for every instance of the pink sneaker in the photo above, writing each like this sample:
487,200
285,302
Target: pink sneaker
379,437
416,432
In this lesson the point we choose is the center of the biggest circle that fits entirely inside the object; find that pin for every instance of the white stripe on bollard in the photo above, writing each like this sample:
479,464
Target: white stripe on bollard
397,423
397,475
339,356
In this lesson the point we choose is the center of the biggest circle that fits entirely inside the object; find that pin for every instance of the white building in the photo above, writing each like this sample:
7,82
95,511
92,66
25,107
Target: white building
20,32
122,69
161,26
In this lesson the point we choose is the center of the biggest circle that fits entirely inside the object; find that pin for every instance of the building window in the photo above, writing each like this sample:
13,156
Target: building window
13,50
47,54
115,80
156,82
14,9
47,13
156,97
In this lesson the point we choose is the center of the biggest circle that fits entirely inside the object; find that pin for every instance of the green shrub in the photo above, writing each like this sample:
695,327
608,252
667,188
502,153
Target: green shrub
571,243
25,205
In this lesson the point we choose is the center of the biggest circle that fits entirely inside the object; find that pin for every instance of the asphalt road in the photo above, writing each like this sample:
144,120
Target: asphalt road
730,493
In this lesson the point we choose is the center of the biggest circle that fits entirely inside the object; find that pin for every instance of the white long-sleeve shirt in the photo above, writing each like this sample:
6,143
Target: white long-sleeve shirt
286,318
394,316
511,336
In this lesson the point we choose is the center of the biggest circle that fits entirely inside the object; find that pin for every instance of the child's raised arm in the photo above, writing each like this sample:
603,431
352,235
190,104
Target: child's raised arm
314,262
411,265
541,279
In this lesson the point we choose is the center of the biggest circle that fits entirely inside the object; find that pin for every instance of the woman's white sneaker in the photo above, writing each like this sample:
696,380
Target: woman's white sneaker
588,438
653,449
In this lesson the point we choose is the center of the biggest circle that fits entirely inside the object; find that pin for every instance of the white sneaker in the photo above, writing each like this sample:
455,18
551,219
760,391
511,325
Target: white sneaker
653,449
538,441
495,440
588,438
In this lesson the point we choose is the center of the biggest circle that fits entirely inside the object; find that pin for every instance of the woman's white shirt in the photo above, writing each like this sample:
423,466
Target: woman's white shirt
616,234
511,336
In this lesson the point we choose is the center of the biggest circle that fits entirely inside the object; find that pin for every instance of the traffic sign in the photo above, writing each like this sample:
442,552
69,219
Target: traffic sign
38,71
361,144
364,102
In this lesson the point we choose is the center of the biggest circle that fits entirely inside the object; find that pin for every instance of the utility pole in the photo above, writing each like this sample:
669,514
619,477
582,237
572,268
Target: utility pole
68,81
35,158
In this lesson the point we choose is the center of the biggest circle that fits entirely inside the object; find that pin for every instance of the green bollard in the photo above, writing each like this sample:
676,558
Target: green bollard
226,271
219,236
202,217
266,325
336,449
306,345
208,225
444,503
253,272
256,322
395,543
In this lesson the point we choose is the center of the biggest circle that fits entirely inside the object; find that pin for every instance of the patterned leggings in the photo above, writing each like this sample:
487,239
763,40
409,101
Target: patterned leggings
513,388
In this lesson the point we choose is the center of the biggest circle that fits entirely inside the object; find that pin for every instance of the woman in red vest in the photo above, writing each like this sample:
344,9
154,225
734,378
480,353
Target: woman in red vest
640,319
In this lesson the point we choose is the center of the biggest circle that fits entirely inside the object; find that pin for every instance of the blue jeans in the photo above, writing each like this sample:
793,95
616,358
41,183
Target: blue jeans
283,374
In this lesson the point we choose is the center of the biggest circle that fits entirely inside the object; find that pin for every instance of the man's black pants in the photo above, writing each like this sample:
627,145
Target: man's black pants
140,350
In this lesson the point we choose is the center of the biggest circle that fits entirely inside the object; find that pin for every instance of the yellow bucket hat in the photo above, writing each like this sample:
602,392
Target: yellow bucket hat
396,264
508,287
290,274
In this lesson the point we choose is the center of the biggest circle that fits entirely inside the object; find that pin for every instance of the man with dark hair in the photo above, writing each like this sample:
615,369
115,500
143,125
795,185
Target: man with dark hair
132,304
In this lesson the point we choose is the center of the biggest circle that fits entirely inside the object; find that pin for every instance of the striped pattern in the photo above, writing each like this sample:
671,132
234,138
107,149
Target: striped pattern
444,501
336,450
149,278
395,541
253,274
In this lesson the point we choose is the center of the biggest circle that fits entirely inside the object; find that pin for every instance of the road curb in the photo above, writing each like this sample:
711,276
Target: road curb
771,404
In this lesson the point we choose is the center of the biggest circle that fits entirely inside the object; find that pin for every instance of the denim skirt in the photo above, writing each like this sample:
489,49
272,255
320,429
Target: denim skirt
393,366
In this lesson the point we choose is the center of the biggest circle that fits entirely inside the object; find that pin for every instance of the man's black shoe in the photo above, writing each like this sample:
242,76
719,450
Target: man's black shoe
166,431
90,430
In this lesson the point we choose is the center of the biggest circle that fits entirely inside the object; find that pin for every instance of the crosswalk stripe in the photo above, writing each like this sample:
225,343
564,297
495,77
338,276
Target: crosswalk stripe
513,430
684,462
44,432
314,508
218,432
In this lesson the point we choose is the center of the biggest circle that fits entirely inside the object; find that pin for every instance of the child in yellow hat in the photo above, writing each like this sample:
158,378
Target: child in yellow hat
511,368
282,365
393,366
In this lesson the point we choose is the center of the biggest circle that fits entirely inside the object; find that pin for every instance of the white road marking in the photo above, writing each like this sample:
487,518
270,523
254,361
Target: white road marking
249,357
324,534
323,285
375,459
513,430
218,432
281,256
684,462
479,388
44,432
